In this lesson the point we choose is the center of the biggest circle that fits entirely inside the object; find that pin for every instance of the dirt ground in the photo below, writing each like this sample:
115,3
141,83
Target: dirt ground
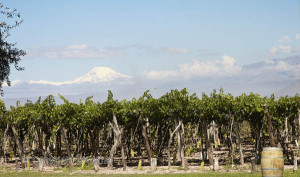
145,169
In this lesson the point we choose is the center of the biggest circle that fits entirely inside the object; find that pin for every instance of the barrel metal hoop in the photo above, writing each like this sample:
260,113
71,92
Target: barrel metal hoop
272,149
273,169
272,157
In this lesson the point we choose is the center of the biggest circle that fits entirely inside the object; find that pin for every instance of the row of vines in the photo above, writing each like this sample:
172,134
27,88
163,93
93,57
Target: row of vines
175,126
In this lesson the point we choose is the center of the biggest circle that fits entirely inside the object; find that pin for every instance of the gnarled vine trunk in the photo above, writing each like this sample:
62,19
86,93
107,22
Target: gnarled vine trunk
117,142
270,128
19,144
230,138
63,133
240,144
169,144
4,142
146,139
208,144
183,160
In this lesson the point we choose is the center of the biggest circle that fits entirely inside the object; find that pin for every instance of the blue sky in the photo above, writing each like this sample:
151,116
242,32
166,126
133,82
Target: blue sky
66,39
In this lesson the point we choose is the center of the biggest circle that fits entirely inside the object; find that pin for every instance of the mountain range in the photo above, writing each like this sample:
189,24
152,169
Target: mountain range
279,76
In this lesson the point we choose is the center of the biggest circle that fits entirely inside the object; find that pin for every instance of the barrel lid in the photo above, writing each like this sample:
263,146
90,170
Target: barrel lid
272,148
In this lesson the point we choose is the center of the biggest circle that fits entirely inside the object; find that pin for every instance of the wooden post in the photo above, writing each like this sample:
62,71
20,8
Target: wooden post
216,164
295,164
17,165
253,164
153,164
123,156
83,161
96,165
140,165
70,164
186,165
201,165
41,164
28,163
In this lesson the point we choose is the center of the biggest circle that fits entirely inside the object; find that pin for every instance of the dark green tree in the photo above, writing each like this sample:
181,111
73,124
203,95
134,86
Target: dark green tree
9,54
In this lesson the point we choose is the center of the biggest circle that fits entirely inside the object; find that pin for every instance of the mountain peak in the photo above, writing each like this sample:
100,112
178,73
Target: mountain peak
101,74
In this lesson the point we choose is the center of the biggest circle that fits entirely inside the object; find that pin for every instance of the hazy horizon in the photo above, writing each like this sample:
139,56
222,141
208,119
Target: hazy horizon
140,45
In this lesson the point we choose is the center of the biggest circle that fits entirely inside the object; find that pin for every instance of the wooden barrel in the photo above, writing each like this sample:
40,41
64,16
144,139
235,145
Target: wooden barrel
272,163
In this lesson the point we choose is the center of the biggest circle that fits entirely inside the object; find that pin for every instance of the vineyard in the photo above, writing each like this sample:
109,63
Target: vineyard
175,129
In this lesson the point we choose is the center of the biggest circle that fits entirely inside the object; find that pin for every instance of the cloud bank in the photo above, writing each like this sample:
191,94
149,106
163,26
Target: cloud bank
84,51
81,51
284,39
224,67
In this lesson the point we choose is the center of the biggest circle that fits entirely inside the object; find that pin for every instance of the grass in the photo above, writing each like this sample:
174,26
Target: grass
287,173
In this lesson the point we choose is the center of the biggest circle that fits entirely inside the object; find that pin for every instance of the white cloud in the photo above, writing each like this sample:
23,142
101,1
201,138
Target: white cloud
284,39
283,66
175,50
206,53
12,83
274,50
81,51
282,48
47,82
229,65
197,68
154,75
269,61
224,67
286,49
77,47
51,54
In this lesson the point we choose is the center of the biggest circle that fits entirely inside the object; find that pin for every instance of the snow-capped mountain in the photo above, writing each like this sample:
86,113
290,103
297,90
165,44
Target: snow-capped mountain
99,79
96,75
101,74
